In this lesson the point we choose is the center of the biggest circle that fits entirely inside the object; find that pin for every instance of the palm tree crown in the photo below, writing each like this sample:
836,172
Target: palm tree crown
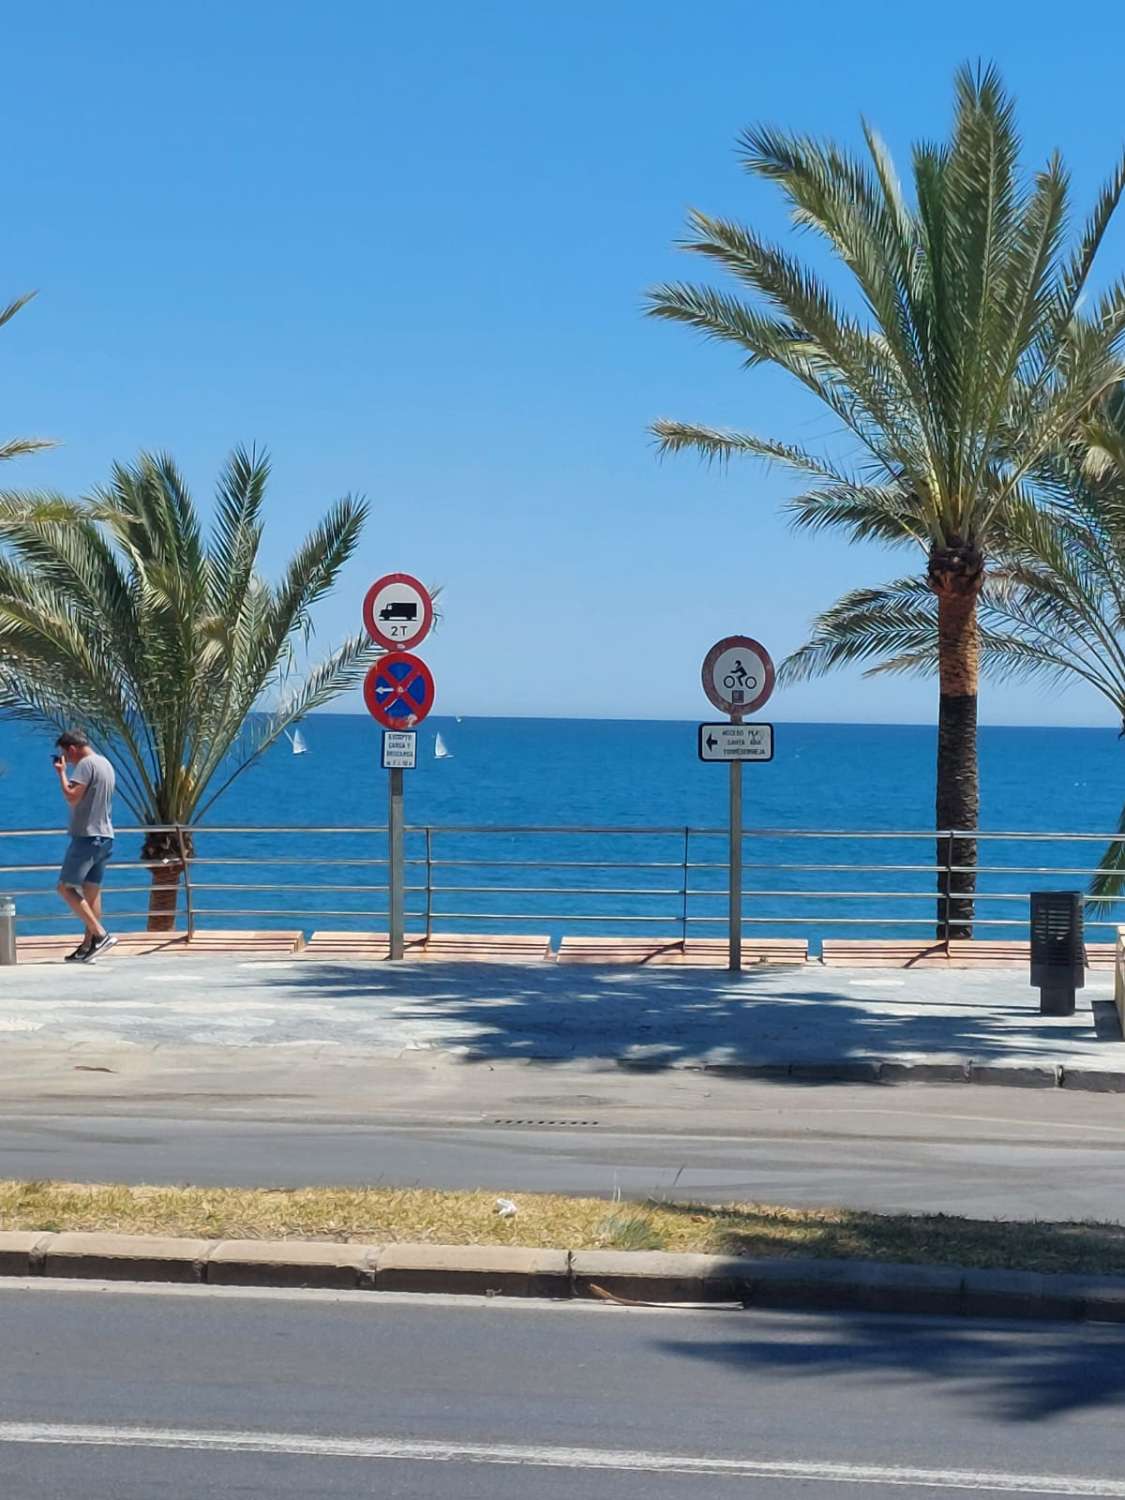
117,615
972,356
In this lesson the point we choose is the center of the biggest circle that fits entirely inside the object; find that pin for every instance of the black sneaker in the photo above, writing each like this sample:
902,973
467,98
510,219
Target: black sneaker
80,954
99,945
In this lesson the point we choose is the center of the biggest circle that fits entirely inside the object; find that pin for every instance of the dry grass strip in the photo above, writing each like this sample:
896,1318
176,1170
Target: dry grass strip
545,1220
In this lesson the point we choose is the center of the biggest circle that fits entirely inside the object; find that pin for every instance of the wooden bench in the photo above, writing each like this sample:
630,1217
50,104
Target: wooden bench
53,949
451,947
698,953
974,953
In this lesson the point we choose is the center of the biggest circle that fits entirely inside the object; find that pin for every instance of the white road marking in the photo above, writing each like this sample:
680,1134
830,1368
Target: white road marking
412,1450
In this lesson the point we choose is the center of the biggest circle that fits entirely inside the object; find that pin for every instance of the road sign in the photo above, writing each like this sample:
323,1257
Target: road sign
737,675
400,749
736,742
398,611
399,690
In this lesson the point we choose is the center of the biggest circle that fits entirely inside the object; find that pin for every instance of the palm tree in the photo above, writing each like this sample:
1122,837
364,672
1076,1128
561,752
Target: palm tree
117,615
968,360
1052,608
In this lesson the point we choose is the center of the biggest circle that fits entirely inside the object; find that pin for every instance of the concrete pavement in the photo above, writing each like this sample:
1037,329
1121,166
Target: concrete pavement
769,1017
117,1393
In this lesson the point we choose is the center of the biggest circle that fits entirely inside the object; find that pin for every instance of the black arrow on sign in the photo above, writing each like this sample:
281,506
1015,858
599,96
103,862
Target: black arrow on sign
711,742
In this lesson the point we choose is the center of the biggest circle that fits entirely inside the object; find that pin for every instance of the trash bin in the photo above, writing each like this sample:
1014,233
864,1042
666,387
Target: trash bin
1058,950
7,930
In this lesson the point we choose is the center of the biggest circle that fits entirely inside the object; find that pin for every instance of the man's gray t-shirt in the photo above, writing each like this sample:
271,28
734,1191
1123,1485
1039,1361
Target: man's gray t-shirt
92,816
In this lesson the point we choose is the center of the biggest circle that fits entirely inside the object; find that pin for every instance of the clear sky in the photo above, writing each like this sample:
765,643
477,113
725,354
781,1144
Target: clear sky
405,247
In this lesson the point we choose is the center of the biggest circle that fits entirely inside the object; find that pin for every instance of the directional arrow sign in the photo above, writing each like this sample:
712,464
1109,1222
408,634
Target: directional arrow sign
736,742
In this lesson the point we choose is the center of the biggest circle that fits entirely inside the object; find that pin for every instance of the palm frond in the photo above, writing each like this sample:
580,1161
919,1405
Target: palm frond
115,615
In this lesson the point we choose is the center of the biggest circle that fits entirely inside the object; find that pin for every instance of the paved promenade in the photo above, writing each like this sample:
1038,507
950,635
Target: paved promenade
770,1018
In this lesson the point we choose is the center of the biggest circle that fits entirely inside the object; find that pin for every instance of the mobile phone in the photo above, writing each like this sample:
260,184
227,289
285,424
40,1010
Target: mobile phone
56,760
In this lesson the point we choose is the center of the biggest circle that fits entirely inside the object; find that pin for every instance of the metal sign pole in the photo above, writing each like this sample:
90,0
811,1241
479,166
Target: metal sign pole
735,865
396,866
738,678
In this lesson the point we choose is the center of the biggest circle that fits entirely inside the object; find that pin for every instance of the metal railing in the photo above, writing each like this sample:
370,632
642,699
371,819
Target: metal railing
668,881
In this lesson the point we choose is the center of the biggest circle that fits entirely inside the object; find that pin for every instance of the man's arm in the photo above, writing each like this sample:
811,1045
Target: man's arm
73,791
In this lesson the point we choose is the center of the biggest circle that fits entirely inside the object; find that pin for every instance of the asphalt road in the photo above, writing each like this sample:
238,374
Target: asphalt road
946,1170
115,1393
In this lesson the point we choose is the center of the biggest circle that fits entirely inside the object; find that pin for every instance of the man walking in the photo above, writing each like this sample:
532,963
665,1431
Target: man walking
87,781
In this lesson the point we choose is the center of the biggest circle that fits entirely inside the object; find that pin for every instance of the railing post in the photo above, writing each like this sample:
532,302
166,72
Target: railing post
429,883
188,899
684,893
947,926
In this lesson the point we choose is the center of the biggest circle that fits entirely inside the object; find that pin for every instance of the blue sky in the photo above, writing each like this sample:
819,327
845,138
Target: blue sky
405,247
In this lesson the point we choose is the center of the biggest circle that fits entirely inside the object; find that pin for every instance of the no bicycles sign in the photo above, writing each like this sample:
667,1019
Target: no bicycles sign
738,675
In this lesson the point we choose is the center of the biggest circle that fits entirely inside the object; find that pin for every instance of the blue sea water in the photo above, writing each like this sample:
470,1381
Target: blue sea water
571,773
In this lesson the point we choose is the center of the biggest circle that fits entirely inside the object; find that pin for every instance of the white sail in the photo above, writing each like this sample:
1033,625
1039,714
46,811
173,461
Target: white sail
440,750
298,741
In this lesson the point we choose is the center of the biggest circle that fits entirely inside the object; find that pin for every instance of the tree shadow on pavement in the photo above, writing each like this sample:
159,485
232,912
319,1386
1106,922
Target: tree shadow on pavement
1020,1373
1095,1249
768,1017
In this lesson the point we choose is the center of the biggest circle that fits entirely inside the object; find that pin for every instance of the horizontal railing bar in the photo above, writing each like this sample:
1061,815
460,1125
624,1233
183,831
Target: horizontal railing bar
821,895
117,864
515,916
557,890
48,891
557,864
221,885
196,829
815,921
117,916
253,911
308,859
637,831
56,833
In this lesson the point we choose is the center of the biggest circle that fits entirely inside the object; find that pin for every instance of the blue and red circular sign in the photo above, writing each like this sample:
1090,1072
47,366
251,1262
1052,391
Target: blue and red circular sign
399,690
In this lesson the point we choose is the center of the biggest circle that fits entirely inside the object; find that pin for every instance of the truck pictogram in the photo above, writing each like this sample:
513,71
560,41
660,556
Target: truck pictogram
401,609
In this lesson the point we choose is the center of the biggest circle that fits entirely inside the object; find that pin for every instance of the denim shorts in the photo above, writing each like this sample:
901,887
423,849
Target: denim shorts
85,861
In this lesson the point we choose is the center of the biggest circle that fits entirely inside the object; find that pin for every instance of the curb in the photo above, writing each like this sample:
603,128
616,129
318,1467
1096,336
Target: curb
896,1070
638,1277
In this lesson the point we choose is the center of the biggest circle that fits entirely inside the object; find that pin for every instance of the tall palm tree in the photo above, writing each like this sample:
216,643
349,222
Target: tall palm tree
1053,604
969,355
116,614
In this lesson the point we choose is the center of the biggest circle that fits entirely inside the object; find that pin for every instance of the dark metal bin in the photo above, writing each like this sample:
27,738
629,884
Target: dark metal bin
1058,950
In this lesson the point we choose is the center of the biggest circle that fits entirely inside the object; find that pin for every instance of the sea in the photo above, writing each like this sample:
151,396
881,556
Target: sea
582,825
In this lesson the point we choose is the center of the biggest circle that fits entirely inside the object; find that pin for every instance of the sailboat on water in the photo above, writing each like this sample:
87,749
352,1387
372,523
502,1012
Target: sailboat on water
441,750
297,740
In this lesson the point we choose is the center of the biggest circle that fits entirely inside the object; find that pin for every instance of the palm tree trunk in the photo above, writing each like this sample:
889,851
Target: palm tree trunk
167,867
955,575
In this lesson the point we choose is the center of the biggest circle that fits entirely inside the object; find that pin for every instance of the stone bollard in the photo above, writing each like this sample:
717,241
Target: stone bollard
7,930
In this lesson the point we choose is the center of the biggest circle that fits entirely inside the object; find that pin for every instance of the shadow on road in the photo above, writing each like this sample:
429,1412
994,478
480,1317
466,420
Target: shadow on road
1010,1374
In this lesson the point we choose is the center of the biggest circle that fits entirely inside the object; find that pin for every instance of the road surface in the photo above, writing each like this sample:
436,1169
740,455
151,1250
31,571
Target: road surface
1018,1175
120,1393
